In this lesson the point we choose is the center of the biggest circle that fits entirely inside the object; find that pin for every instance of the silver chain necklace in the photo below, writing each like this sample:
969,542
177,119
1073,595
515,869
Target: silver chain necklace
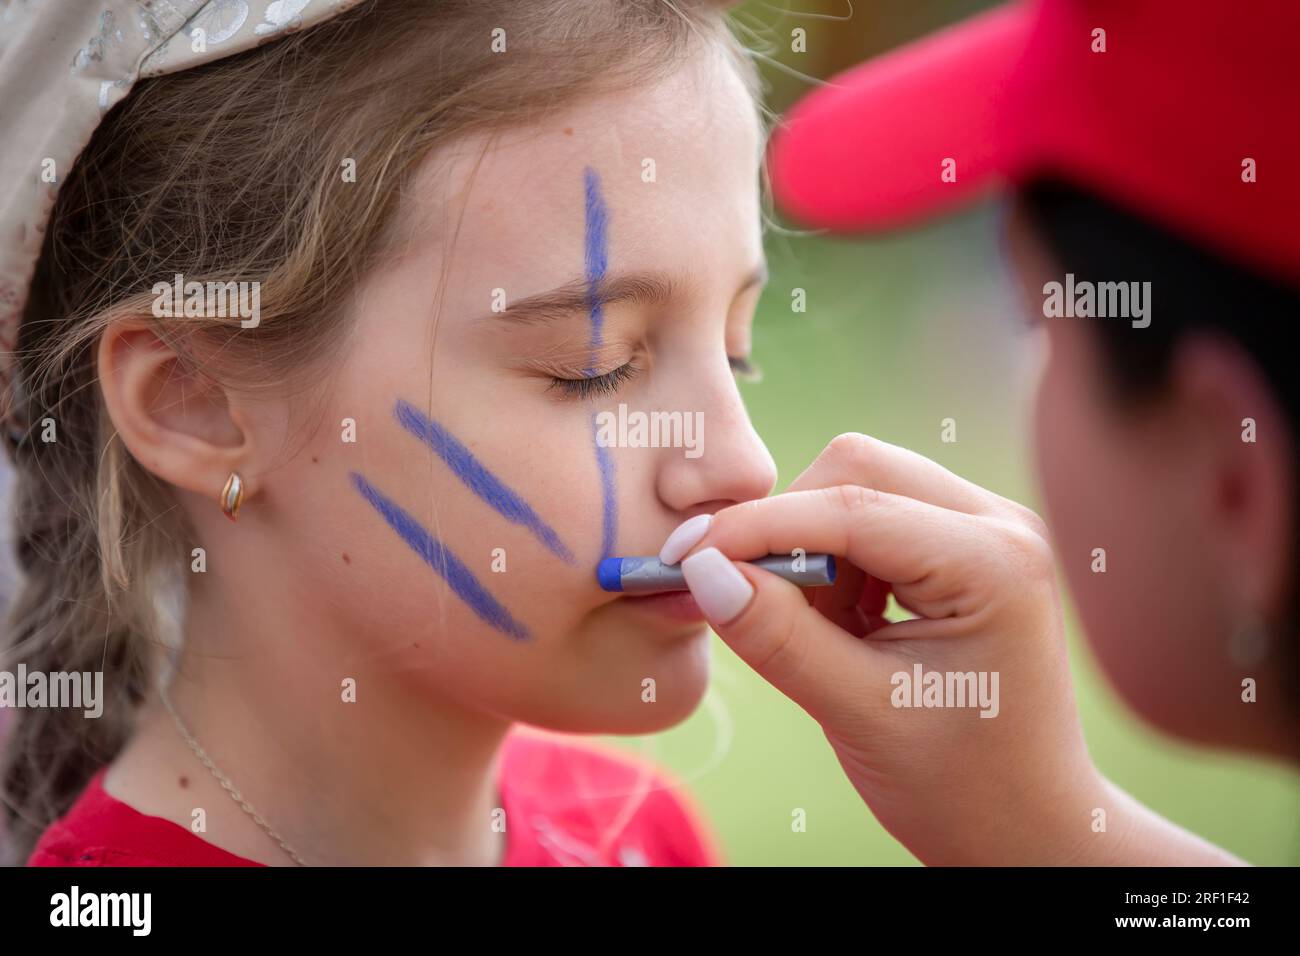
225,781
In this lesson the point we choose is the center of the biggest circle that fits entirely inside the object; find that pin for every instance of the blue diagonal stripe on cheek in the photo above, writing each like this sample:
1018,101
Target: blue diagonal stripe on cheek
437,556
476,477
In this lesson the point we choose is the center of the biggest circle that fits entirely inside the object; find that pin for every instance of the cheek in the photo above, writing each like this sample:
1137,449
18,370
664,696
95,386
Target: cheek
1110,499
520,505
472,529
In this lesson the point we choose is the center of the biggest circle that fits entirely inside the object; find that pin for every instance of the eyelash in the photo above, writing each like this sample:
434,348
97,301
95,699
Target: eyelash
611,381
586,387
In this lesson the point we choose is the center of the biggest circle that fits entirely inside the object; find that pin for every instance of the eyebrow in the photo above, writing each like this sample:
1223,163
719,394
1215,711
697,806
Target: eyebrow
636,288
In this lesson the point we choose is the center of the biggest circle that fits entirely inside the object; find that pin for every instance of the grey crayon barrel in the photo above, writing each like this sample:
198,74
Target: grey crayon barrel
651,574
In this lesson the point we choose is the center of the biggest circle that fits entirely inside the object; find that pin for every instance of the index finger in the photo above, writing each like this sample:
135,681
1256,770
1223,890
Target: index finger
856,459
892,537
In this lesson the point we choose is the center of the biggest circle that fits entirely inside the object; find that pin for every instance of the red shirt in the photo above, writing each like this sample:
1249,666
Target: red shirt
559,798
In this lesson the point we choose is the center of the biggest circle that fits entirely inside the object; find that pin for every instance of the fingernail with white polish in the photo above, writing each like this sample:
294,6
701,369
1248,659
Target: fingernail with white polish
687,536
719,588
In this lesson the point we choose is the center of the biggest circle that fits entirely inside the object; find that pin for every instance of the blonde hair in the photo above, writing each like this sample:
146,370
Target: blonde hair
231,172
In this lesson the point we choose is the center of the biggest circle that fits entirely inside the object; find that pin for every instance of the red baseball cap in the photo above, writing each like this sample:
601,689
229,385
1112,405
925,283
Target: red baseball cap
1187,113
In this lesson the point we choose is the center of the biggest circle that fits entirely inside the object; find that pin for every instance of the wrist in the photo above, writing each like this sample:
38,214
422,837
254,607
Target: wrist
1058,821
1043,821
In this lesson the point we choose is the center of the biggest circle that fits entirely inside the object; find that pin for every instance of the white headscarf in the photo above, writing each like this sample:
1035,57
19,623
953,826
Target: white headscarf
63,65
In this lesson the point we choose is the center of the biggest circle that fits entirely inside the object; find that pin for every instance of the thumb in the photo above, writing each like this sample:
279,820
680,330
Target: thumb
770,625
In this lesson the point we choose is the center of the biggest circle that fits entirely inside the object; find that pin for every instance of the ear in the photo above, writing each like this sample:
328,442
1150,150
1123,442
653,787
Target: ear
180,426
1250,486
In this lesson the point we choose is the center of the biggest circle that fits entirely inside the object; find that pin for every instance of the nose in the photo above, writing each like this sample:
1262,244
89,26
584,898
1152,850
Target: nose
732,464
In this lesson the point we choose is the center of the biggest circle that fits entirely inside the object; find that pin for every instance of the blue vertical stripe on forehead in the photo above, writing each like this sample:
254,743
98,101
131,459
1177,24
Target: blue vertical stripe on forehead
596,248
597,255
477,478
460,578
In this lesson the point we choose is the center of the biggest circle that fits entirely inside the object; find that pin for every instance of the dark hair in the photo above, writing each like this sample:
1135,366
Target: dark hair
1194,289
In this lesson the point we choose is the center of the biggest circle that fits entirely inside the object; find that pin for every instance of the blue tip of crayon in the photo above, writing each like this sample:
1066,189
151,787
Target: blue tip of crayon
830,567
610,574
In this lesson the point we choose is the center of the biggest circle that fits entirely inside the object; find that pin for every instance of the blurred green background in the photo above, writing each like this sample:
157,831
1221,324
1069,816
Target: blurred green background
901,332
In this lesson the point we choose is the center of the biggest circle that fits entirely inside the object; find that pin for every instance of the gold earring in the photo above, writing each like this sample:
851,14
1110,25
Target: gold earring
232,495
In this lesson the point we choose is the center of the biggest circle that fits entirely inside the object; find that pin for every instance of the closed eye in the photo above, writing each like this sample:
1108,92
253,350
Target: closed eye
589,386
592,385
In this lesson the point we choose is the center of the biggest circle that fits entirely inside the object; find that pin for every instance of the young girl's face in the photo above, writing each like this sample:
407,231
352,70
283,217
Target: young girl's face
454,543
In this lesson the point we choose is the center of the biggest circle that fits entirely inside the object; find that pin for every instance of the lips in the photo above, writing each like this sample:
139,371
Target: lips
673,605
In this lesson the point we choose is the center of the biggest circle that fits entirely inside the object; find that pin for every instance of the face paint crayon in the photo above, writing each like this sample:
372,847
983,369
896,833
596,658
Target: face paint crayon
650,574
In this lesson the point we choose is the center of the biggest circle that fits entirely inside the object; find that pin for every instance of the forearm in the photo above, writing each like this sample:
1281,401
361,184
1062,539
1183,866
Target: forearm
1135,835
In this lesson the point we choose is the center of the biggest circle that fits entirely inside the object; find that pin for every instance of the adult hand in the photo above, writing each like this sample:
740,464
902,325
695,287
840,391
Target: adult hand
1014,786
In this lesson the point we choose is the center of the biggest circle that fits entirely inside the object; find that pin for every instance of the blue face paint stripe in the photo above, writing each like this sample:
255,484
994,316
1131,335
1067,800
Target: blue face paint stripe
597,261
596,254
609,513
477,478
437,556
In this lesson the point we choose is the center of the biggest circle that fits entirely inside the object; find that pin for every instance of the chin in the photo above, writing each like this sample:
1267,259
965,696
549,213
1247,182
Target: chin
615,701
1178,702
